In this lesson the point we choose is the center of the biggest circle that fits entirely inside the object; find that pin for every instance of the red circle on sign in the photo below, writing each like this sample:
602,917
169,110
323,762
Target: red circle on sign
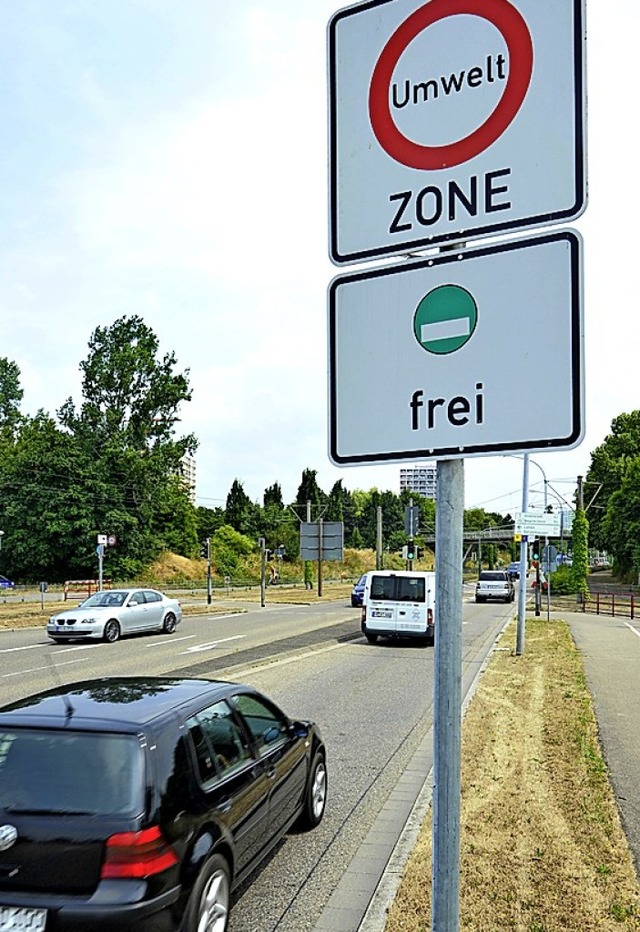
520,47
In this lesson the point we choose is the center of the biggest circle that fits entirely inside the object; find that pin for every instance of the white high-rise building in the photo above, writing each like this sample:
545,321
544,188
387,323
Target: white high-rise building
188,473
419,479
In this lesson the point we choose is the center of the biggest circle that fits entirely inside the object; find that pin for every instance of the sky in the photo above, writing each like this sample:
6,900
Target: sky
169,160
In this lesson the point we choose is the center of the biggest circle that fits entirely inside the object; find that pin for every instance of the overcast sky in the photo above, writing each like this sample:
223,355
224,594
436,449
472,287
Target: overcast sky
169,159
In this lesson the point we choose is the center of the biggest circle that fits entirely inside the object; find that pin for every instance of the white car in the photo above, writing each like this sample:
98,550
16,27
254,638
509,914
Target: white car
111,613
495,584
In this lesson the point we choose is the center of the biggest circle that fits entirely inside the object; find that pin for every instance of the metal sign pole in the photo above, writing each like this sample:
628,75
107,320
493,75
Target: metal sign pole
447,727
522,588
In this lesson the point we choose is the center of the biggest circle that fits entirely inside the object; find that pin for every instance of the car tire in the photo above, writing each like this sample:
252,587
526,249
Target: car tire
208,906
111,631
371,638
479,600
169,624
315,797
354,604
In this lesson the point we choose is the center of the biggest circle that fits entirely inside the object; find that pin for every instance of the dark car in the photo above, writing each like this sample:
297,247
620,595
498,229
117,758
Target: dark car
514,570
139,803
6,583
357,593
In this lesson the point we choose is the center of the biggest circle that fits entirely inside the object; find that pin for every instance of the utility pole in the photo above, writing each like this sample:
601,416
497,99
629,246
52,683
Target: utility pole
208,571
263,571
379,537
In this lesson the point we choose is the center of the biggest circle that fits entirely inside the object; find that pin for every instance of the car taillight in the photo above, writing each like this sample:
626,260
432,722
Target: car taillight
137,854
429,616
363,613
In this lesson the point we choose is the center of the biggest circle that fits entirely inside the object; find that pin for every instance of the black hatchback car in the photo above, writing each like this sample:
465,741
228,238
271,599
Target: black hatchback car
139,803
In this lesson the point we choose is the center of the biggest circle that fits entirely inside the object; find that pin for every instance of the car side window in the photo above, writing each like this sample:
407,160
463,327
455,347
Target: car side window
267,725
136,598
151,596
219,743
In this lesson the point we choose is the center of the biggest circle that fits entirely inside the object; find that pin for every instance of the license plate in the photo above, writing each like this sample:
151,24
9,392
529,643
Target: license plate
20,919
381,613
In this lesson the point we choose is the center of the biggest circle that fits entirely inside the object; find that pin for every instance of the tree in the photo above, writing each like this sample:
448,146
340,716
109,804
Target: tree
49,493
606,473
240,512
10,395
621,526
580,568
125,426
309,491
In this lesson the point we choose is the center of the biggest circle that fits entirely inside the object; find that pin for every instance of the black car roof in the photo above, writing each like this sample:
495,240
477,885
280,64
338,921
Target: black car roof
109,701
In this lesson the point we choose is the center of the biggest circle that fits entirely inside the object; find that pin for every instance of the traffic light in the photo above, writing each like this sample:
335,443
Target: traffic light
411,550
205,550
535,550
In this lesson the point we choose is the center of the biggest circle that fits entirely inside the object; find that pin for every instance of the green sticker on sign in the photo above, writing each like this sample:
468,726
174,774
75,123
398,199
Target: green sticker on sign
445,319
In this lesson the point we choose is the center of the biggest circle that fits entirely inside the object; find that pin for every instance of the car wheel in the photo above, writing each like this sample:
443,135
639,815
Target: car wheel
354,603
169,625
315,798
111,631
371,638
208,907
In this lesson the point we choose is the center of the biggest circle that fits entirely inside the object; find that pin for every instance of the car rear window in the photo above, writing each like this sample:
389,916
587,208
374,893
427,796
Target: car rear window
500,576
397,588
71,772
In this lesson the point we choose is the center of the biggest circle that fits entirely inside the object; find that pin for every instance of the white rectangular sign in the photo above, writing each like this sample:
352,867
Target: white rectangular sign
450,119
429,359
531,522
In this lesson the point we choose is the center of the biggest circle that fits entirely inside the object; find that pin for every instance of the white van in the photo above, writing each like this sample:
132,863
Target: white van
400,604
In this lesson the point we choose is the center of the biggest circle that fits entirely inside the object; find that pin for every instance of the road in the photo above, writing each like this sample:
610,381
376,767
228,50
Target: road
373,702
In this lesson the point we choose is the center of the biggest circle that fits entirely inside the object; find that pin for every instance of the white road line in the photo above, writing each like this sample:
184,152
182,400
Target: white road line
65,650
631,628
66,663
9,650
213,644
186,637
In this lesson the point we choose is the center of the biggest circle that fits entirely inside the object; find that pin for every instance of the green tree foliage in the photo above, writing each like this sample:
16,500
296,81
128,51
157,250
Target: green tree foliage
621,526
240,512
580,568
309,491
112,466
227,546
10,396
609,463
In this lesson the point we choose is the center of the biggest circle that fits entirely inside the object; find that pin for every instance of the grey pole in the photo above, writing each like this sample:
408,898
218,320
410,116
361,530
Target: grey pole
522,588
379,537
445,906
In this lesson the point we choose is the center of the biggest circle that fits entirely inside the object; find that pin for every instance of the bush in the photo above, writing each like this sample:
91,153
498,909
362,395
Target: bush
562,581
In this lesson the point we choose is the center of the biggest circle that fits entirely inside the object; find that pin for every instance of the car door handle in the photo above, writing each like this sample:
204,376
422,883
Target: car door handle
271,772
224,805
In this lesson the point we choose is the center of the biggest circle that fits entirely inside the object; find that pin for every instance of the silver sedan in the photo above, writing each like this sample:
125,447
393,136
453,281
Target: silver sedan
113,612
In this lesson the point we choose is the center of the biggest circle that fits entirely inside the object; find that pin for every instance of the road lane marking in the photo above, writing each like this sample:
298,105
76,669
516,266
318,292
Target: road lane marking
213,644
631,628
185,637
9,650
65,663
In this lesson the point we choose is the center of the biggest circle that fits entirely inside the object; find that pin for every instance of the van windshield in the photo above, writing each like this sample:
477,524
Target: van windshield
398,588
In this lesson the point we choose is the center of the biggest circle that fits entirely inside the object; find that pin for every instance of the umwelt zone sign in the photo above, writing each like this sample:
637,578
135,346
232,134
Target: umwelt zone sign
452,119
